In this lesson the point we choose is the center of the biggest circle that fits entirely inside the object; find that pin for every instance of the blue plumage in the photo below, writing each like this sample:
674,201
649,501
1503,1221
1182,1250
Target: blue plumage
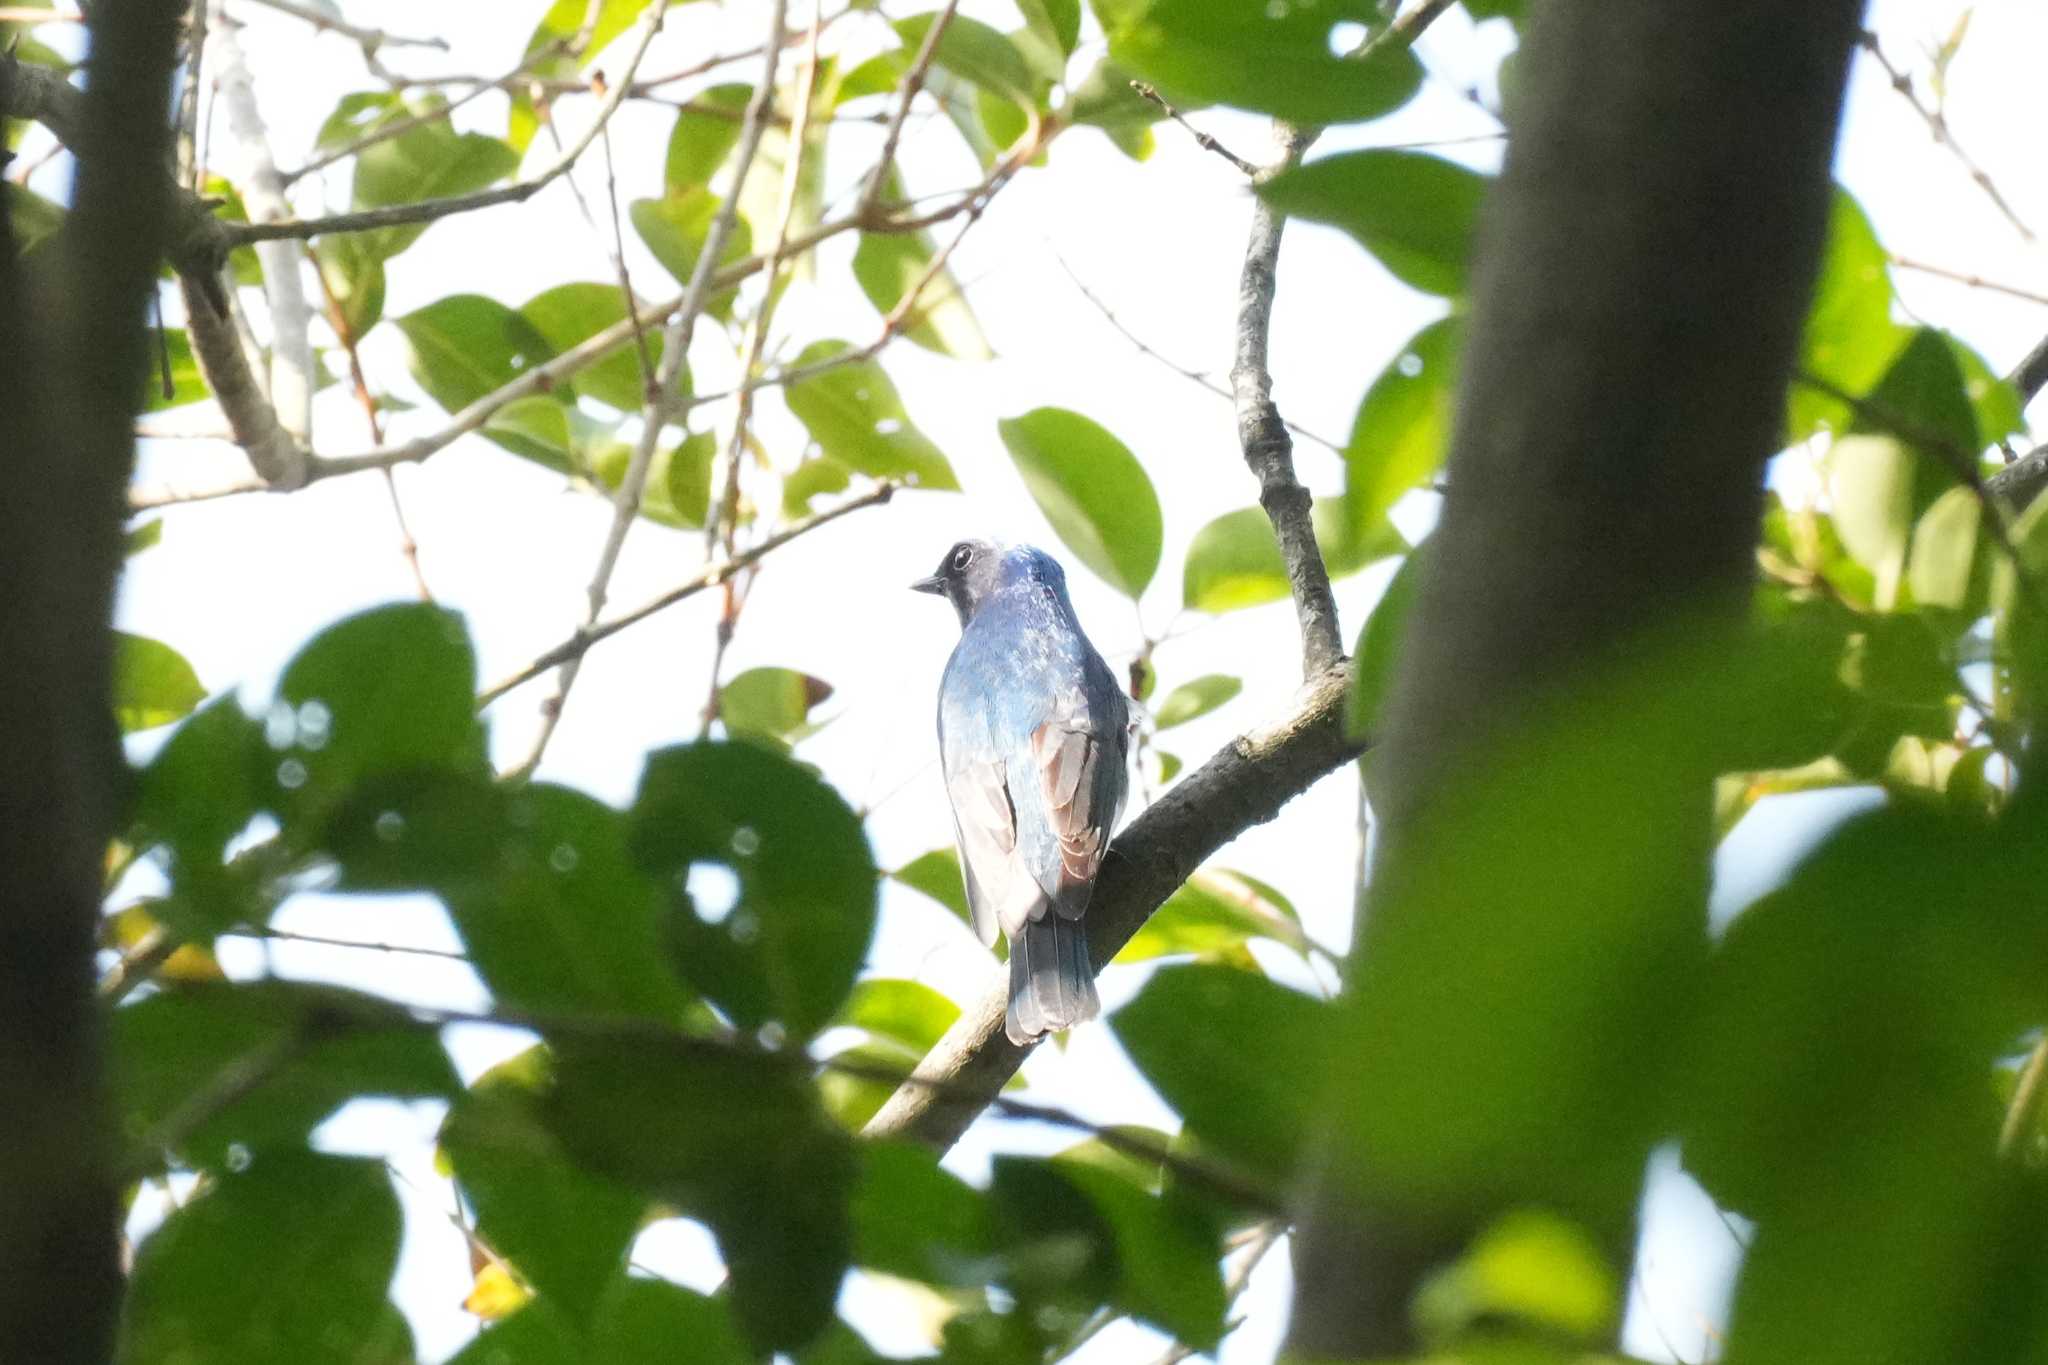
1034,737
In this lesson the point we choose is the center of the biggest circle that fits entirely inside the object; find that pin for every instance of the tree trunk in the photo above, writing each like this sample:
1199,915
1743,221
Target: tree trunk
1642,275
73,351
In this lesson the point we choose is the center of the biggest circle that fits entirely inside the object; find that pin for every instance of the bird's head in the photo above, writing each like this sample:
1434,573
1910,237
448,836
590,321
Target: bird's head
968,576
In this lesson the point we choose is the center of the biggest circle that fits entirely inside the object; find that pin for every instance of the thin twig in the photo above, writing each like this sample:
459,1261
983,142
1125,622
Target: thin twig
580,643
913,81
611,194
1197,377
1268,450
431,210
1974,281
1202,139
660,404
1937,126
369,39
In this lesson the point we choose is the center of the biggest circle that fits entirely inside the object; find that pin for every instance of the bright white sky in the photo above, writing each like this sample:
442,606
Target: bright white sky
237,585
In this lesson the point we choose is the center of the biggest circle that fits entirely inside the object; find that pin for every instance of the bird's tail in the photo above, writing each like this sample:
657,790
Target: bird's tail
1051,986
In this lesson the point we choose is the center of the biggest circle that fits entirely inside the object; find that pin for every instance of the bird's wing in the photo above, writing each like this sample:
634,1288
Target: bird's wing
1081,777
999,890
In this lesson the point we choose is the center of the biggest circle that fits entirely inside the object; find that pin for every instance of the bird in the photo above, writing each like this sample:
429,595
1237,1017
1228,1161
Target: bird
1034,741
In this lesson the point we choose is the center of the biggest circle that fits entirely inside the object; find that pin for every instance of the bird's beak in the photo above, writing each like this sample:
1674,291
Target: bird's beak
933,584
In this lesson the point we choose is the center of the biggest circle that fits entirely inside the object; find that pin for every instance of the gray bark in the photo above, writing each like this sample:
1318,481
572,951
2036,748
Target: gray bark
1641,280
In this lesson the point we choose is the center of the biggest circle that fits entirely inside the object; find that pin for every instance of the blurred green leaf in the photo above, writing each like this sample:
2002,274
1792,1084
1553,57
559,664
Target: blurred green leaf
889,264
1949,566
1403,428
564,22
564,1229
1234,562
736,1140
466,345
153,683
790,946
1239,1057
937,875
638,1320
1276,59
705,132
974,52
908,1011
1850,337
352,272
1379,647
675,228
1193,699
289,1259
1994,402
1532,1269
1056,21
1414,212
314,1048
771,703
914,1219
187,384
431,161
1166,1253
1870,482
1104,99
1093,491
204,785
386,691
30,216
854,415
569,314
1211,916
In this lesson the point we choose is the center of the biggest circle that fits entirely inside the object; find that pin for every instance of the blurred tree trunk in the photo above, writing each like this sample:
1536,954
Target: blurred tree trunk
74,347
1642,277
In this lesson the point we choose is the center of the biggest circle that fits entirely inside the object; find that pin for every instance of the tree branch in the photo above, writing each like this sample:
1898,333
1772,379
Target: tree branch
1267,447
76,357
1243,784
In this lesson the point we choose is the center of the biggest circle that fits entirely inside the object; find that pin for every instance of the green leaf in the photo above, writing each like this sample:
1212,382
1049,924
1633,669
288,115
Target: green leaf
1276,59
317,1047
1416,213
914,1219
1056,21
1093,491
1923,390
771,703
1403,428
908,1012
1234,562
386,691
187,384
353,273
1211,916
287,1260
564,21
30,216
564,1229
738,1141
639,1319
431,161
705,132
789,948
1104,99
1947,566
682,473
360,113
569,314
466,345
1166,1252
889,264
854,415
556,917
153,684
675,228
204,786
975,53
937,875
1379,647
1870,481
1238,1056
1994,402
1197,698
1530,1268
1850,337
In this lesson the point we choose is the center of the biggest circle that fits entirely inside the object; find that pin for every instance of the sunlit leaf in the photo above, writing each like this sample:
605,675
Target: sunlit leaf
1234,562
888,265
569,314
431,161
771,703
1193,699
675,228
1093,491
1416,213
705,132
853,413
153,684
1403,428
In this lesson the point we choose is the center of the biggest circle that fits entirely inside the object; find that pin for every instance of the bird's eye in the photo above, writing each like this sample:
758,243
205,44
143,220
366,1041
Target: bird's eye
962,557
